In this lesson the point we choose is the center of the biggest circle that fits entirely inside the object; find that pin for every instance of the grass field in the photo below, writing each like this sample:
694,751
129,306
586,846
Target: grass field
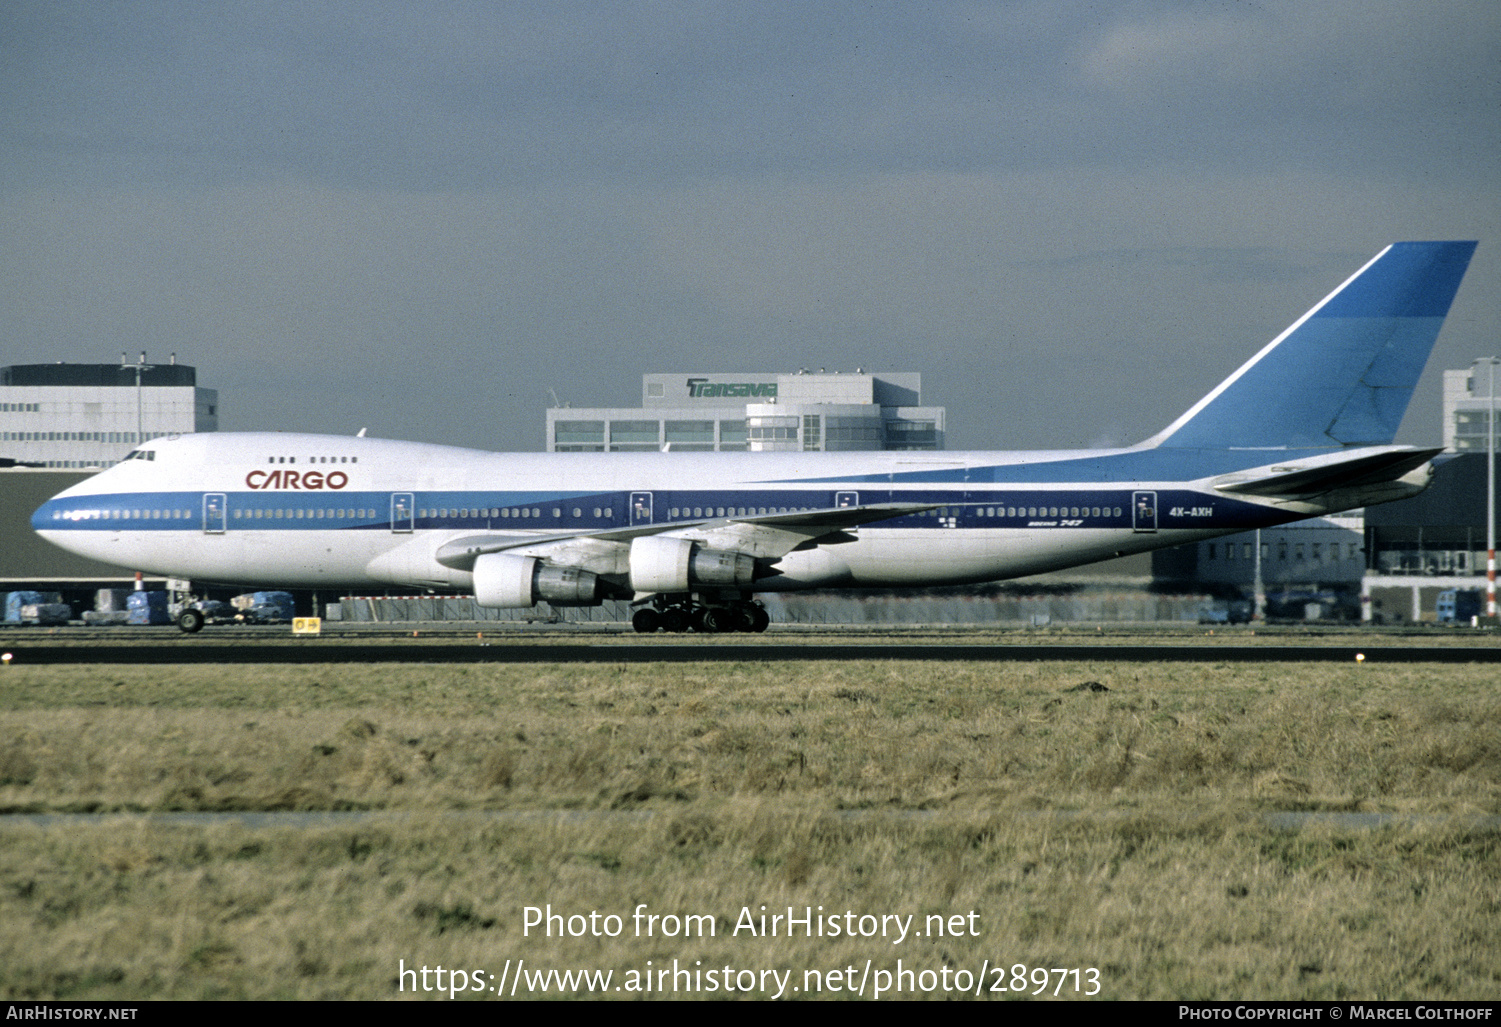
1067,815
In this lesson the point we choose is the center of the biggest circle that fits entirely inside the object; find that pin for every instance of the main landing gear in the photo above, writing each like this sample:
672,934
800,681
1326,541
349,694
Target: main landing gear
682,613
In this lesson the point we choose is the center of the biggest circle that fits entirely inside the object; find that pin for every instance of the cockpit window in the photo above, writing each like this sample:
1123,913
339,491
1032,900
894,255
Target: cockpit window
141,454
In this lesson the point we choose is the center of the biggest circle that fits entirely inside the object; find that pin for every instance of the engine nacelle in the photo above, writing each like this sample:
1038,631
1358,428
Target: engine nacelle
661,564
507,581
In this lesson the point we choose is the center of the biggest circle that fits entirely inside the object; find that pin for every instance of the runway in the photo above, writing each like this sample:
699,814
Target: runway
249,650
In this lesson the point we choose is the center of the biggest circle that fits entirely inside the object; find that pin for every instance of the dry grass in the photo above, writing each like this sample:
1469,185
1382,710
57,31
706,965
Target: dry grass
877,787
836,736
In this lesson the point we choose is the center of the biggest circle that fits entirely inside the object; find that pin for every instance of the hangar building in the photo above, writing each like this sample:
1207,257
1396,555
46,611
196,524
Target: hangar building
1400,555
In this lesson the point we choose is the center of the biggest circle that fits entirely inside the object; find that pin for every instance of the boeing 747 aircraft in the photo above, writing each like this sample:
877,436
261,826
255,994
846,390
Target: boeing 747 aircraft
1304,428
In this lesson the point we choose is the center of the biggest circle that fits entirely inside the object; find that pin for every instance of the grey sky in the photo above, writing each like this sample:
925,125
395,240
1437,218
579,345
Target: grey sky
1073,218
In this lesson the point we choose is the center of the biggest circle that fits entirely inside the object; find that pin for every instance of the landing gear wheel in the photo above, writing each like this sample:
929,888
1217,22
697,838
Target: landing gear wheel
760,619
674,620
646,620
715,619
191,620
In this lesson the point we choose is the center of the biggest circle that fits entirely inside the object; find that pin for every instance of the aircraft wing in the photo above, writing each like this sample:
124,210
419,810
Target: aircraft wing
774,535
1300,478
761,535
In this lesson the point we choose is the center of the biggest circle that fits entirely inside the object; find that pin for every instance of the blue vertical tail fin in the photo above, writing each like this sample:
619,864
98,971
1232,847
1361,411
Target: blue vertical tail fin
1343,374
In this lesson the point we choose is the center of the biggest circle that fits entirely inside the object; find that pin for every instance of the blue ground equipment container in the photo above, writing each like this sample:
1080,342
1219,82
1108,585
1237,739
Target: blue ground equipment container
46,613
1458,605
14,601
148,608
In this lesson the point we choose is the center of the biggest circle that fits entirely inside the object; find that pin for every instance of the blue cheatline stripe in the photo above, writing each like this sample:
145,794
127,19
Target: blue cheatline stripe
1019,507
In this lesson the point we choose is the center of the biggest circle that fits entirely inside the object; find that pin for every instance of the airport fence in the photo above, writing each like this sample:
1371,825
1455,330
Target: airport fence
425,609
1089,606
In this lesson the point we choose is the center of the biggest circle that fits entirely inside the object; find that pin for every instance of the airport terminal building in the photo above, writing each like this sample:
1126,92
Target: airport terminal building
60,423
79,416
756,412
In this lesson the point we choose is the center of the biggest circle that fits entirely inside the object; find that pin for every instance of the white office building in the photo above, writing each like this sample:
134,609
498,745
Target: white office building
80,416
1467,406
721,411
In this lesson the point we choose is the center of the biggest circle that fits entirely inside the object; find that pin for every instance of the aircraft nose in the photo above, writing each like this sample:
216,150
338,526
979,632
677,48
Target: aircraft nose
44,515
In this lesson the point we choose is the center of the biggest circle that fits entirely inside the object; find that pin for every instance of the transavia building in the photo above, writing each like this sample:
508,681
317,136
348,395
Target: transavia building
714,411
88,416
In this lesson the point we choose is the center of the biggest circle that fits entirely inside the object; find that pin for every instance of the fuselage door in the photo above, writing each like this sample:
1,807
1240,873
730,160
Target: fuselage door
1143,511
402,513
845,500
640,508
214,519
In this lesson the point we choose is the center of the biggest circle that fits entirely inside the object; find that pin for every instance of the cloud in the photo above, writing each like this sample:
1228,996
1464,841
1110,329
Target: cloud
424,216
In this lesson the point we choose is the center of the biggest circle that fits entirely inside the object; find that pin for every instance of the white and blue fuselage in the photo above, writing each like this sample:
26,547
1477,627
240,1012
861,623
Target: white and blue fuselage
276,509
1302,429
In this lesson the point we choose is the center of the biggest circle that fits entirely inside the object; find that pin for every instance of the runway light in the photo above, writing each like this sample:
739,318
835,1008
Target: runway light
6,658
1360,657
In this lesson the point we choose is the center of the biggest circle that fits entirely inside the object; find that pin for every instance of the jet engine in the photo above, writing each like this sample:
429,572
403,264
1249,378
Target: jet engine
661,564
504,580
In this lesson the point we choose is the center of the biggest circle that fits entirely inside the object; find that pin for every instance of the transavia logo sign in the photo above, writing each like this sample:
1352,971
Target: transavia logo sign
309,481
702,388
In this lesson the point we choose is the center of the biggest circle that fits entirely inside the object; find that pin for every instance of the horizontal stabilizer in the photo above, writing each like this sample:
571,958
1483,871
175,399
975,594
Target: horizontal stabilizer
1315,477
